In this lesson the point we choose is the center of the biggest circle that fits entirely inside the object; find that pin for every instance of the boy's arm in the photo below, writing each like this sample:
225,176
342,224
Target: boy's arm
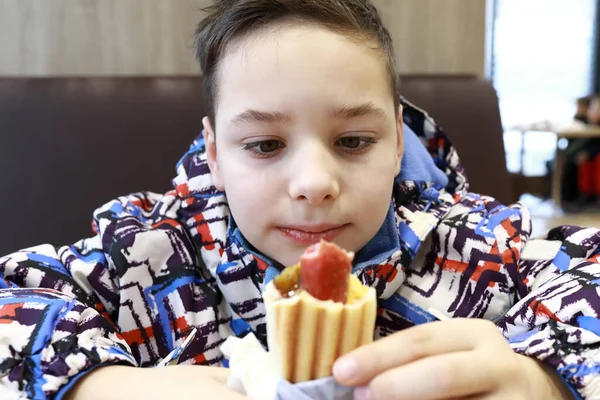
48,341
57,307
154,383
61,309
556,315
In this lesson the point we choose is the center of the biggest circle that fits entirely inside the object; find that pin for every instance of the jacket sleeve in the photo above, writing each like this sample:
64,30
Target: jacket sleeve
555,318
59,307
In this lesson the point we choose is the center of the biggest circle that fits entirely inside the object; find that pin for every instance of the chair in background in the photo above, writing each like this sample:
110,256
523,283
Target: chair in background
67,145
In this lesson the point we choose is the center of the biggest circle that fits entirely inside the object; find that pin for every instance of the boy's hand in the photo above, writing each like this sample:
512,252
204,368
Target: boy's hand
176,382
460,358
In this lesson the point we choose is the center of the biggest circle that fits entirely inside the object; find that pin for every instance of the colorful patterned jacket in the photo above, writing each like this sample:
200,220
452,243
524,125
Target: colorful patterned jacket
161,265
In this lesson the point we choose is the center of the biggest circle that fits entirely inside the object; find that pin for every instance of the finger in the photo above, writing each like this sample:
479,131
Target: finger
447,376
216,373
223,392
360,366
489,396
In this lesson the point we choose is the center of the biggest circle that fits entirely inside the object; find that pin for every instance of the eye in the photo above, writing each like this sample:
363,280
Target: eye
355,144
264,148
350,142
268,146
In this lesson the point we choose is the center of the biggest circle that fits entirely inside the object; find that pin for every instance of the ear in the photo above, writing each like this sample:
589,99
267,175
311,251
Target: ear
400,135
211,154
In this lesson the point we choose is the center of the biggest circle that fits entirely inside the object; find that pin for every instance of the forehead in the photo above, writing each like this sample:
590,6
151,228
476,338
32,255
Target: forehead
294,63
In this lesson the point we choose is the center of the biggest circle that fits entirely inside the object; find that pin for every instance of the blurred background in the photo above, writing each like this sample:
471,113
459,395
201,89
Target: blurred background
540,57
154,37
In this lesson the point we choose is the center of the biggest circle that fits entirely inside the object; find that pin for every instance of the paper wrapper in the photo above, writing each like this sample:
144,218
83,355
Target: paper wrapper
253,374
306,335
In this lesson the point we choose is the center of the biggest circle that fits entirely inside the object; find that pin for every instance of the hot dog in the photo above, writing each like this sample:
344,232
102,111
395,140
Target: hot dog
316,312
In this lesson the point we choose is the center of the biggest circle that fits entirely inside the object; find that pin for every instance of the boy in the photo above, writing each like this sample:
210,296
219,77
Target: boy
305,139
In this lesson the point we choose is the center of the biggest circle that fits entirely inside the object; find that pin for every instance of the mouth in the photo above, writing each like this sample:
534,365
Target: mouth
311,234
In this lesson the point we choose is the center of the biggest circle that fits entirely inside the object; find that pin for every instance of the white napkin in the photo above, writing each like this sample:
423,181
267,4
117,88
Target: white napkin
253,374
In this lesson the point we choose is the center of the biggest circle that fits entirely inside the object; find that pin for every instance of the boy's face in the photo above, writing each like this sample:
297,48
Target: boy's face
306,143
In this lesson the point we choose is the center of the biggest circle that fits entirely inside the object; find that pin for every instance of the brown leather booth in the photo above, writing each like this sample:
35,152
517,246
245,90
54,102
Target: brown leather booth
68,145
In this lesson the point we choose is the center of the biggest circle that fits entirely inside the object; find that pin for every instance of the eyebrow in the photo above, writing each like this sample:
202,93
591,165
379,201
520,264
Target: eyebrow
249,116
357,111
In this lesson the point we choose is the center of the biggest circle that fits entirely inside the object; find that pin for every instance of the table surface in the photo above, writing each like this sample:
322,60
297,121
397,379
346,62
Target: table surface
579,131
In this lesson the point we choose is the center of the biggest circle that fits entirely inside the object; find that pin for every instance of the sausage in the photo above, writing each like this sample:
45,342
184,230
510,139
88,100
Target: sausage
325,271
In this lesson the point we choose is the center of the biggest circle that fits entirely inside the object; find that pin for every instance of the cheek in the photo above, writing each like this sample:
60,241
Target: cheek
372,185
379,173
374,190
249,188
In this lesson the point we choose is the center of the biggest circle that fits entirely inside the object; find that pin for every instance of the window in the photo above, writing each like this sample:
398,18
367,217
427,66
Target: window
541,60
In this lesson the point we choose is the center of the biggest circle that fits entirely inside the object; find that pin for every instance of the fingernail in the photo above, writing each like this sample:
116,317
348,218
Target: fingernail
362,393
345,369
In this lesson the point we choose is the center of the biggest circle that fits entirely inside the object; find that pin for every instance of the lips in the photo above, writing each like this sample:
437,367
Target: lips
310,234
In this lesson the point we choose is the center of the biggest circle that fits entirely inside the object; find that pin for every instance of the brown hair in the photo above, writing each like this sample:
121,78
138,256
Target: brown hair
227,20
584,101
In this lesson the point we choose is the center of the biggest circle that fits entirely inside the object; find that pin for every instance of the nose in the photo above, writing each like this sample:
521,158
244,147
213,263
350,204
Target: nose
314,176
